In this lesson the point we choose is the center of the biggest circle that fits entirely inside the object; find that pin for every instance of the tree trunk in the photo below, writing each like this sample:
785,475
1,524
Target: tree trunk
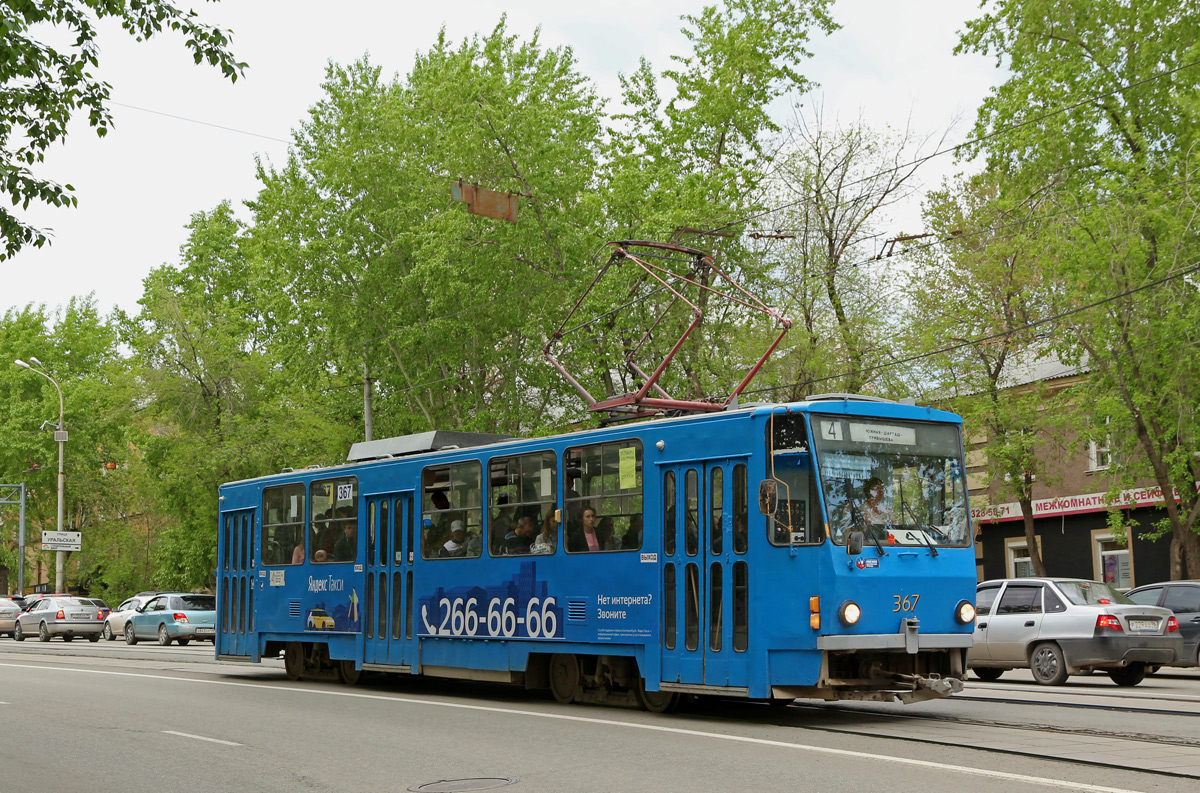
1035,553
1185,554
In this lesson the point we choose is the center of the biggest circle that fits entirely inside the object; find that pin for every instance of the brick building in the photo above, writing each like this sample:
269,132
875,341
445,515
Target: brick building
1070,508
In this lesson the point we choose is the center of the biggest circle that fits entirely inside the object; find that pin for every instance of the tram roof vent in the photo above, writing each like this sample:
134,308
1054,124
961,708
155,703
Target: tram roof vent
385,448
847,397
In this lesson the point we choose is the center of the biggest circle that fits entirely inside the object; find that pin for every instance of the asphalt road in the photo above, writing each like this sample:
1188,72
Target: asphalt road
109,717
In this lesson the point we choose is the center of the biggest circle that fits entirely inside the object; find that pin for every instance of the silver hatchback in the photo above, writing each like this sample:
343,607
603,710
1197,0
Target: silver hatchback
1056,627
67,617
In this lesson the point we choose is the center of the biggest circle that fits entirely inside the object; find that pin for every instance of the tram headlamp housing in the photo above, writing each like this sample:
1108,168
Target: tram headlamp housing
849,613
964,612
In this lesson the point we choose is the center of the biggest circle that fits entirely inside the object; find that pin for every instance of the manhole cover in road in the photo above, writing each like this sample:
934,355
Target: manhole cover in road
463,785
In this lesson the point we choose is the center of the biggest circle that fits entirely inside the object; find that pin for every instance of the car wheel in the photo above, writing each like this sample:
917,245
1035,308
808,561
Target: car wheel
183,642
164,638
43,632
108,634
18,633
987,673
129,637
1048,665
1128,675
95,637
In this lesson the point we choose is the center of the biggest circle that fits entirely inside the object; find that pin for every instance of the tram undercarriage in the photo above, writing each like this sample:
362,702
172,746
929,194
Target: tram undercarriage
884,676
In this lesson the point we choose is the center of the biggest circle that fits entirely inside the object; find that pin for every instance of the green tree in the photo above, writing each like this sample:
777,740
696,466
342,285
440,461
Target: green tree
79,347
984,352
217,406
1099,104
45,85
689,166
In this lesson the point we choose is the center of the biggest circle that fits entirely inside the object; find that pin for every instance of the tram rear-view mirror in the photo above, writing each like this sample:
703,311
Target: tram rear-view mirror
854,542
768,497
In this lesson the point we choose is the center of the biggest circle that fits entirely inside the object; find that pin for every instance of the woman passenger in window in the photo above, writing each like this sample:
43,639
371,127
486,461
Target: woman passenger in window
546,541
586,537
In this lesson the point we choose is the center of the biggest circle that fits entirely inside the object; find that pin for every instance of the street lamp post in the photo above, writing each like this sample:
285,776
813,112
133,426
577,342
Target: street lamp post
60,435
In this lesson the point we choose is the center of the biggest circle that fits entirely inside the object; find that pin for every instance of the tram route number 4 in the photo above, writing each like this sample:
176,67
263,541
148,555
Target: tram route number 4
461,617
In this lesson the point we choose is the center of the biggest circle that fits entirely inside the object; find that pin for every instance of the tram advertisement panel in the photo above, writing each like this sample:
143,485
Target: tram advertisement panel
330,605
523,607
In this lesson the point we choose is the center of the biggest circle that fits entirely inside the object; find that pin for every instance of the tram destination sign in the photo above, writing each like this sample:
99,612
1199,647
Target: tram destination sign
62,541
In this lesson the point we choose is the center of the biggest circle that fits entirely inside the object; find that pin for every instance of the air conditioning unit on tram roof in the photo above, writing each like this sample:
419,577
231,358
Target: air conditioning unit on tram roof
386,448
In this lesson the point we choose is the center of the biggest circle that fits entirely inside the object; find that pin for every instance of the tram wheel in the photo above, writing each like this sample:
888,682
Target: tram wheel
656,701
293,660
987,673
564,677
348,674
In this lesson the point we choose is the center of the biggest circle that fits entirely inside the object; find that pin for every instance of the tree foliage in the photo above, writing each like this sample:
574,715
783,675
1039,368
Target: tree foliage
1099,113
46,84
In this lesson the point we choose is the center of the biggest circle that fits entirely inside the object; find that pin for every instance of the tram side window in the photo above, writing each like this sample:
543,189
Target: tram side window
604,497
452,511
283,525
333,537
797,520
521,503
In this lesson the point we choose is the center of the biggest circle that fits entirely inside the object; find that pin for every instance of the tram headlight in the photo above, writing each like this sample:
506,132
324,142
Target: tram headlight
849,613
964,612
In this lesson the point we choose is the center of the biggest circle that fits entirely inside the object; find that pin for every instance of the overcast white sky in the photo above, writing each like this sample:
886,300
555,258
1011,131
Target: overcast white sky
138,186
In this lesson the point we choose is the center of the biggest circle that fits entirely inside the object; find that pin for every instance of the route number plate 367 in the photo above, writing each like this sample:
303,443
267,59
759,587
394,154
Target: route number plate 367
1143,625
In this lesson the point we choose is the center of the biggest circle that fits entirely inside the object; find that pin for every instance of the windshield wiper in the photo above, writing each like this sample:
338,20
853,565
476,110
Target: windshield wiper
856,517
904,506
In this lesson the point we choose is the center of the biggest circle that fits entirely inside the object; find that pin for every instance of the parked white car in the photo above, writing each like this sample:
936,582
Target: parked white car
1056,627
114,623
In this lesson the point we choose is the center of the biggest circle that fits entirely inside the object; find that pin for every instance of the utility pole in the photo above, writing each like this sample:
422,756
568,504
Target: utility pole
60,435
16,495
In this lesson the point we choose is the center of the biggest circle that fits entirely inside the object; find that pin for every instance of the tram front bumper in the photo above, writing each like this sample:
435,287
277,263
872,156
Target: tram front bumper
908,641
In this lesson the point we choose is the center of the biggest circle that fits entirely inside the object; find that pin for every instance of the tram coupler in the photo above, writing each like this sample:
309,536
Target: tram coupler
931,687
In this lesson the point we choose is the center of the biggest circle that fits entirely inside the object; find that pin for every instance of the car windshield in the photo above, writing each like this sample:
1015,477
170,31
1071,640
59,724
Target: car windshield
199,602
899,482
1091,593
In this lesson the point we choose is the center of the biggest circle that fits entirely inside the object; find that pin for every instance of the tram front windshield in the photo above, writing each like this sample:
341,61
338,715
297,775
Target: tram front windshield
898,482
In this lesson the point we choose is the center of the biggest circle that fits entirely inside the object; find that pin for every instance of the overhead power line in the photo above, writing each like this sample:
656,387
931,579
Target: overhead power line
970,142
982,339
198,121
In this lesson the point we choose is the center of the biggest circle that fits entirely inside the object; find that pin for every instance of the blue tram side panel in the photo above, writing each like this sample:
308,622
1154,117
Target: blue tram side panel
812,549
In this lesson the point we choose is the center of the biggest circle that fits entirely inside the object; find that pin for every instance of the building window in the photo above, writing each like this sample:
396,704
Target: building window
1111,561
1100,453
1019,563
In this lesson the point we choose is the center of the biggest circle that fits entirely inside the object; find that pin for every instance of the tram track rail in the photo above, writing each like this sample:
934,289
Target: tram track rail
1025,726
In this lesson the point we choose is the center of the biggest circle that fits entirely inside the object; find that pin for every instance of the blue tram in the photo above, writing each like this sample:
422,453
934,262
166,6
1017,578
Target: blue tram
771,551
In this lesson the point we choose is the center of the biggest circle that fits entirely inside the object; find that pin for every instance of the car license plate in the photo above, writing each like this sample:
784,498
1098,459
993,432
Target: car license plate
204,631
80,615
1143,625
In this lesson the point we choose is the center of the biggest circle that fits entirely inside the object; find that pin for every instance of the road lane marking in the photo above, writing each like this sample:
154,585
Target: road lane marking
898,760
201,738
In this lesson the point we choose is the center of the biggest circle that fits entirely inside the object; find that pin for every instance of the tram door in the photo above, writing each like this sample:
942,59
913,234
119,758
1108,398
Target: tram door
706,572
388,579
